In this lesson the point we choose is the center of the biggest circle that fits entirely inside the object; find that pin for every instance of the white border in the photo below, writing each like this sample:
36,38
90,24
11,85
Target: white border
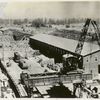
47,0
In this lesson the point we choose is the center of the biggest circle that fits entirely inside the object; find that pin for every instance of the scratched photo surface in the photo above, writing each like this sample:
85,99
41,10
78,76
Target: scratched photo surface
50,49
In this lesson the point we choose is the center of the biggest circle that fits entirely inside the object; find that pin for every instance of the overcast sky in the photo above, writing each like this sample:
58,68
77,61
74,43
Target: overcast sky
50,9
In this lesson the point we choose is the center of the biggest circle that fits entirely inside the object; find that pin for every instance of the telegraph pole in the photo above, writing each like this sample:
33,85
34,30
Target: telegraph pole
2,45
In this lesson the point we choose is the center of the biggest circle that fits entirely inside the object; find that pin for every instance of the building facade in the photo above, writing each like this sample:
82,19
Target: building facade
91,63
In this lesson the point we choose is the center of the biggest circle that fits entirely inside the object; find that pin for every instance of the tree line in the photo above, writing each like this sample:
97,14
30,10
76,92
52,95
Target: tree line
44,21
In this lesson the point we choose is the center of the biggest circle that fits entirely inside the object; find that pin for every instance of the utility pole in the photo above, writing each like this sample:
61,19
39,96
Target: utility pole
2,46
26,48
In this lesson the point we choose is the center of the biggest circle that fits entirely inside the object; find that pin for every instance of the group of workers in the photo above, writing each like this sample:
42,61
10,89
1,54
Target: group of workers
81,90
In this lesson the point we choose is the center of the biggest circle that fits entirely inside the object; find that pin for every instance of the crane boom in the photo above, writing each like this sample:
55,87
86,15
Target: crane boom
97,32
84,33
82,37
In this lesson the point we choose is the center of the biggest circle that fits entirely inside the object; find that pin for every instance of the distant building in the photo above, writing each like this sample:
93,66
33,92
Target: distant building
56,47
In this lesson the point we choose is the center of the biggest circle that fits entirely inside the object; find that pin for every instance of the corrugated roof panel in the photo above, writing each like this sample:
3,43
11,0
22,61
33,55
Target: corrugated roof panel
63,43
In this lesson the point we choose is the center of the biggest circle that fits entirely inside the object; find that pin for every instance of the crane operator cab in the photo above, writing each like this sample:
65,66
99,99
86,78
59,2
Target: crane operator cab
71,63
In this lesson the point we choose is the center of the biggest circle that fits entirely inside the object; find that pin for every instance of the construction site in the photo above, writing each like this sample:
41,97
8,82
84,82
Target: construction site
50,49
49,66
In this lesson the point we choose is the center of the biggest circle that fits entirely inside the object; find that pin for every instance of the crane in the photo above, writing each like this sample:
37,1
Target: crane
84,33
74,62
82,37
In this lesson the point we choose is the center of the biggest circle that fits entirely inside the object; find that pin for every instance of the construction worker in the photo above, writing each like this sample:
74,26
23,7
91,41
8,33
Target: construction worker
78,92
95,92
83,83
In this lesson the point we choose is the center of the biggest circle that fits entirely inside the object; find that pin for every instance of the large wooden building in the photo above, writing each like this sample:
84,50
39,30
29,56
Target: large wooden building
56,47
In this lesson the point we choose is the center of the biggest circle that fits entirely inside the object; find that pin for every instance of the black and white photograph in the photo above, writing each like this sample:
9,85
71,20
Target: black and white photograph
50,49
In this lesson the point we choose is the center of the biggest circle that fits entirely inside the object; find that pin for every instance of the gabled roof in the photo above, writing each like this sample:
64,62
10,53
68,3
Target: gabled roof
66,44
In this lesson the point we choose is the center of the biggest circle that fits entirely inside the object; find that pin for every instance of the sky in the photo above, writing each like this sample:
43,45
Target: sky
50,9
